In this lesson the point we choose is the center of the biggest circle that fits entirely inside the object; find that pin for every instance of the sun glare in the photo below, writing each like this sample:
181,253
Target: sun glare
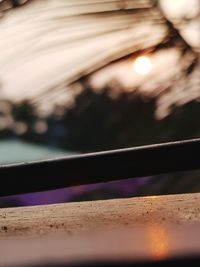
142,65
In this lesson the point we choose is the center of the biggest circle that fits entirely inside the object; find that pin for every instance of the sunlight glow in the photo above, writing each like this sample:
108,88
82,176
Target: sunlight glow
142,65
179,8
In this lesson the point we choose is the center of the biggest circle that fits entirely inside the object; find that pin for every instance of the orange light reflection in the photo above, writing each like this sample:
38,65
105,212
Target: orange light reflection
158,242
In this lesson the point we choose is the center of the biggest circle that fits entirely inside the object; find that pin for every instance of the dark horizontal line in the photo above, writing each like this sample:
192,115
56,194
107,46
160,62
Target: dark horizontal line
99,167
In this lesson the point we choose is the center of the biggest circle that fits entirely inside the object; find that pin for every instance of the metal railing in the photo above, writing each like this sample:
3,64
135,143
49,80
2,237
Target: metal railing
99,167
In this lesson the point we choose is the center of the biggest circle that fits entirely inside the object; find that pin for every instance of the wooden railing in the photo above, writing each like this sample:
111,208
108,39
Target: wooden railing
150,228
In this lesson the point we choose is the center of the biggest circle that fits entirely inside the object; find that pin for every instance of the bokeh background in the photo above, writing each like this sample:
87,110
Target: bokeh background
88,75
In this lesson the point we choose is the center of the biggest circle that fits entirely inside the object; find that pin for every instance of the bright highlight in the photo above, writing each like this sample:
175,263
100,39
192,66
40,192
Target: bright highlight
142,65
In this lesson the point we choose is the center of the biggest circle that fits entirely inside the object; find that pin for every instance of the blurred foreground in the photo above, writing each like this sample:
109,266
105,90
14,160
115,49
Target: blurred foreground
99,76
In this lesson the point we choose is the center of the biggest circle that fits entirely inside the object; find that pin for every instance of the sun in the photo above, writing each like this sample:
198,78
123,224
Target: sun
142,65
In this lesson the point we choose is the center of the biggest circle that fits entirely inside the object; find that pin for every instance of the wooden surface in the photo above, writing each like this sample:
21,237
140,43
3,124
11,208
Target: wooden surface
134,229
75,218
150,243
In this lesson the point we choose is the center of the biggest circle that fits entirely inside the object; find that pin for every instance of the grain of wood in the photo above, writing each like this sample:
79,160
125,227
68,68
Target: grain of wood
80,217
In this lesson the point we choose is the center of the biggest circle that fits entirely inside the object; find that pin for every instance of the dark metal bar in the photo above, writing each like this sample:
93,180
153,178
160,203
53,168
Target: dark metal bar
99,167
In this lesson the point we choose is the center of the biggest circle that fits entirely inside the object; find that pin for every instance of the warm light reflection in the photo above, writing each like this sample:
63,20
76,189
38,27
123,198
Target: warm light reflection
158,242
142,65
152,197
